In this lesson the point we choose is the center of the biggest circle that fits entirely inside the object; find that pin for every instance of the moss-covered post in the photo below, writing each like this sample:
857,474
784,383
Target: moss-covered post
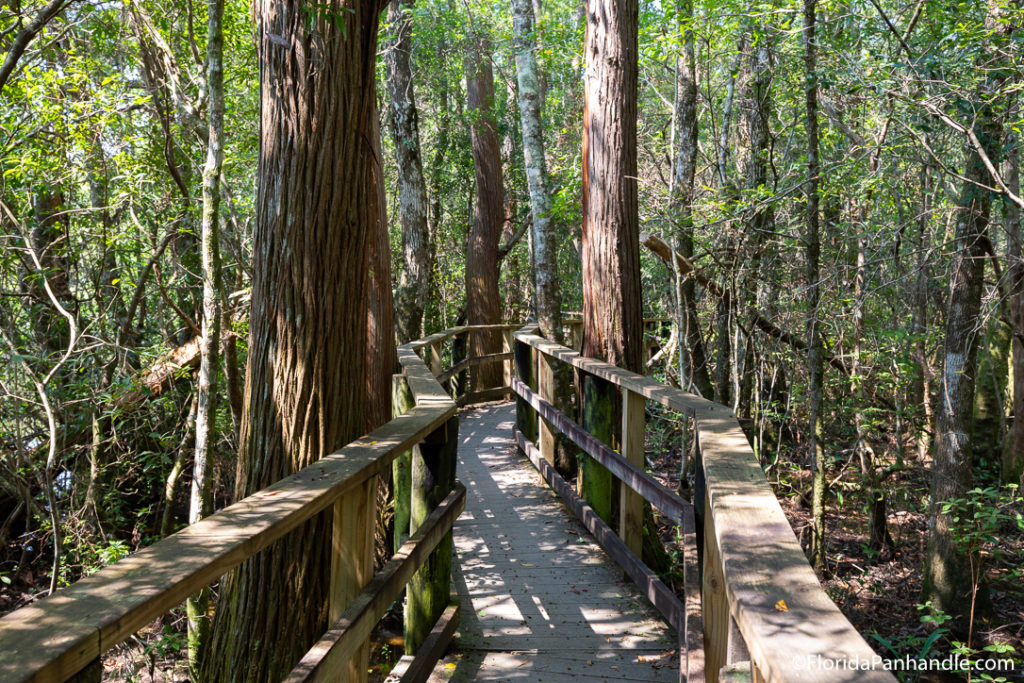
597,485
546,437
401,469
433,478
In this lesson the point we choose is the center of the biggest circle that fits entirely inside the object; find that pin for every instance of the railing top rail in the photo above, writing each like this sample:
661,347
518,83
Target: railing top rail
670,397
788,622
58,636
452,331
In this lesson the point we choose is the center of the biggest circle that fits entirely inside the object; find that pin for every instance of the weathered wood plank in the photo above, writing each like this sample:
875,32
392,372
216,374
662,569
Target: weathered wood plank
631,504
422,381
417,668
659,595
693,669
540,600
763,563
635,478
493,394
433,478
461,366
354,524
58,636
337,647
670,397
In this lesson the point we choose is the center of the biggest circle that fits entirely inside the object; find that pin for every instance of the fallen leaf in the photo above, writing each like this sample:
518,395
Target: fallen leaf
782,606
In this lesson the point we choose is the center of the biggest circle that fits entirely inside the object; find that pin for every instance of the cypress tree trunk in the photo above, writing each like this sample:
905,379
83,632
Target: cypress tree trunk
206,401
308,316
612,304
412,190
483,306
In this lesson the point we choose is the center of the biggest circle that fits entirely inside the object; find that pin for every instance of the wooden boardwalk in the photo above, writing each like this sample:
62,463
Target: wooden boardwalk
540,600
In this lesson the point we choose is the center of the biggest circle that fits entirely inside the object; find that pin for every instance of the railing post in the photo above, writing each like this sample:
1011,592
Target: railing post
631,503
433,478
576,335
507,344
546,388
597,484
401,469
92,673
714,603
435,358
526,420
458,381
352,562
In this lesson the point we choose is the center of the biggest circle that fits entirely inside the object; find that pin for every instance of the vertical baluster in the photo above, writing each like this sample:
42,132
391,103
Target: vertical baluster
631,504
352,562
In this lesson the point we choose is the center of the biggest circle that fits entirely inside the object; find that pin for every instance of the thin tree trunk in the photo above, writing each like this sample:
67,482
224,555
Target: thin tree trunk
307,372
411,294
1013,451
206,404
694,376
549,304
815,366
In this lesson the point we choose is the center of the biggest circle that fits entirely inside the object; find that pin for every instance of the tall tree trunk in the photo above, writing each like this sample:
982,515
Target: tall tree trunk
1013,451
549,303
308,317
948,577
206,403
612,304
694,371
412,190
483,305
381,357
815,365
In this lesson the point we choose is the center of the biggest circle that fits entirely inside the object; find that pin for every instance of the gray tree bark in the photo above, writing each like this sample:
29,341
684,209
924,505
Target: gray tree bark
201,503
411,293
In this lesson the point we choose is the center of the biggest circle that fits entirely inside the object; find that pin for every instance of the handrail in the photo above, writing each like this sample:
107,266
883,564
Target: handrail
754,570
63,634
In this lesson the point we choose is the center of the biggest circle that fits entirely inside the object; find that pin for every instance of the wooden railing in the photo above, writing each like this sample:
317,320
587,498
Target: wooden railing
758,605
765,615
63,636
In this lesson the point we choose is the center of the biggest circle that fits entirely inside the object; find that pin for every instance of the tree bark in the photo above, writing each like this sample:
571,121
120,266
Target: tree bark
948,577
411,293
1013,451
308,317
612,304
695,375
201,503
549,304
815,365
483,305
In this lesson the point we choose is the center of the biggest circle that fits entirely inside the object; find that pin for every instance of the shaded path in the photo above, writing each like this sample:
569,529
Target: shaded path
540,600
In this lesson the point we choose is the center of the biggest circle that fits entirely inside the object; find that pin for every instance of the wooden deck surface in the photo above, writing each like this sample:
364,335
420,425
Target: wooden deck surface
540,600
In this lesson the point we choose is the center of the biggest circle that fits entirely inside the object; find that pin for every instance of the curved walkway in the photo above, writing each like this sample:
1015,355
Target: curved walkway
540,600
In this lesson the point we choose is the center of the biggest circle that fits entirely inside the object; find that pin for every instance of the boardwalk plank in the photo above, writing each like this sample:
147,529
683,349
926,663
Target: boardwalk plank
541,601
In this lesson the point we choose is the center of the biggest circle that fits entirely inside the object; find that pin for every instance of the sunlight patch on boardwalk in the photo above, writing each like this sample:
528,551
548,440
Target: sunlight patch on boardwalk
540,600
